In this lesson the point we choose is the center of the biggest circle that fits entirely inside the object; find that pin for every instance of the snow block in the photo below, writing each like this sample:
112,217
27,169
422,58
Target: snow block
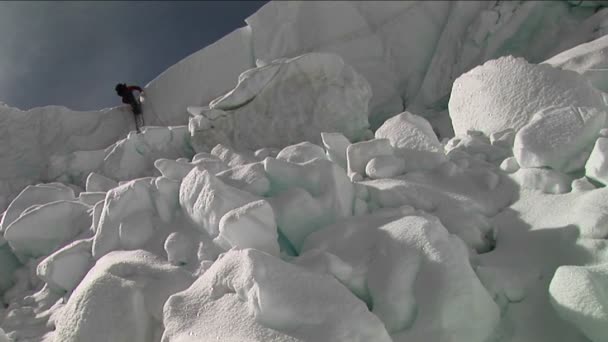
578,295
64,269
43,229
359,154
591,214
99,183
301,153
506,92
385,167
250,226
173,169
415,271
309,94
132,198
204,198
556,136
545,180
265,299
251,178
35,195
231,157
597,164
335,145
134,284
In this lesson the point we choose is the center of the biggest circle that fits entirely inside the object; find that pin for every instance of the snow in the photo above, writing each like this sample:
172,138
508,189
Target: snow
44,228
250,177
250,226
318,176
205,199
259,104
272,300
588,59
301,153
413,139
596,167
578,296
64,269
556,136
99,183
506,92
335,146
359,154
120,299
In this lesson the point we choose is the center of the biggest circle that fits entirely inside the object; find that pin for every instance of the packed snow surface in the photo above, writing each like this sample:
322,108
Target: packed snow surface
333,171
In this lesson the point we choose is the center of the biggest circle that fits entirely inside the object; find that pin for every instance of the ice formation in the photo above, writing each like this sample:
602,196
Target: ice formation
333,171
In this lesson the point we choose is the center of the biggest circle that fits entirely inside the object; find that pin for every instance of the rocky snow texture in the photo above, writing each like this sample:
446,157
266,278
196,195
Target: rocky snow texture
276,214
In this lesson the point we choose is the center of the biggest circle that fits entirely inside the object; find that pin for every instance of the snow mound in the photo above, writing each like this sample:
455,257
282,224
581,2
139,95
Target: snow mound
250,226
301,153
597,164
266,299
121,299
278,98
414,140
65,269
591,214
35,195
588,59
42,229
556,137
579,296
506,92
415,272
205,199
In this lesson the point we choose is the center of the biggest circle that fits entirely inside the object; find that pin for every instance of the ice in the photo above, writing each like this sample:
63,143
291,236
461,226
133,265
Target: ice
251,178
506,92
284,105
301,153
99,183
205,199
579,297
545,180
588,59
297,215
359,154
187,83
266,299
461,215
34,195
8,265
178,247
556,136
415,272
121,299
335,145
387,166
30,138
590,214
91,198
173,169
414,140
64,269
323,179
131,199
134,156
232,157
477,144
596,167
250,226
43,229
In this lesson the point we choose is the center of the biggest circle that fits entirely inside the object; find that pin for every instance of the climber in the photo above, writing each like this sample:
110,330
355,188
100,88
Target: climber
126,92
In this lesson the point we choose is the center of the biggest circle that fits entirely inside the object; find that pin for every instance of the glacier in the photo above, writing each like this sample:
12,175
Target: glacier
331,171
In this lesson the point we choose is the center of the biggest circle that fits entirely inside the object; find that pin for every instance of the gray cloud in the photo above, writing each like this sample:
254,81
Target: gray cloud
73,53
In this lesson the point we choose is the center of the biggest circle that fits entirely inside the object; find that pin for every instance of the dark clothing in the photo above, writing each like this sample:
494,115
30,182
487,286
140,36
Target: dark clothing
128,98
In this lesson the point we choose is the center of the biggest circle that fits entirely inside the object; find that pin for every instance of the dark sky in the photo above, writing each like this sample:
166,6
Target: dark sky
73,53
